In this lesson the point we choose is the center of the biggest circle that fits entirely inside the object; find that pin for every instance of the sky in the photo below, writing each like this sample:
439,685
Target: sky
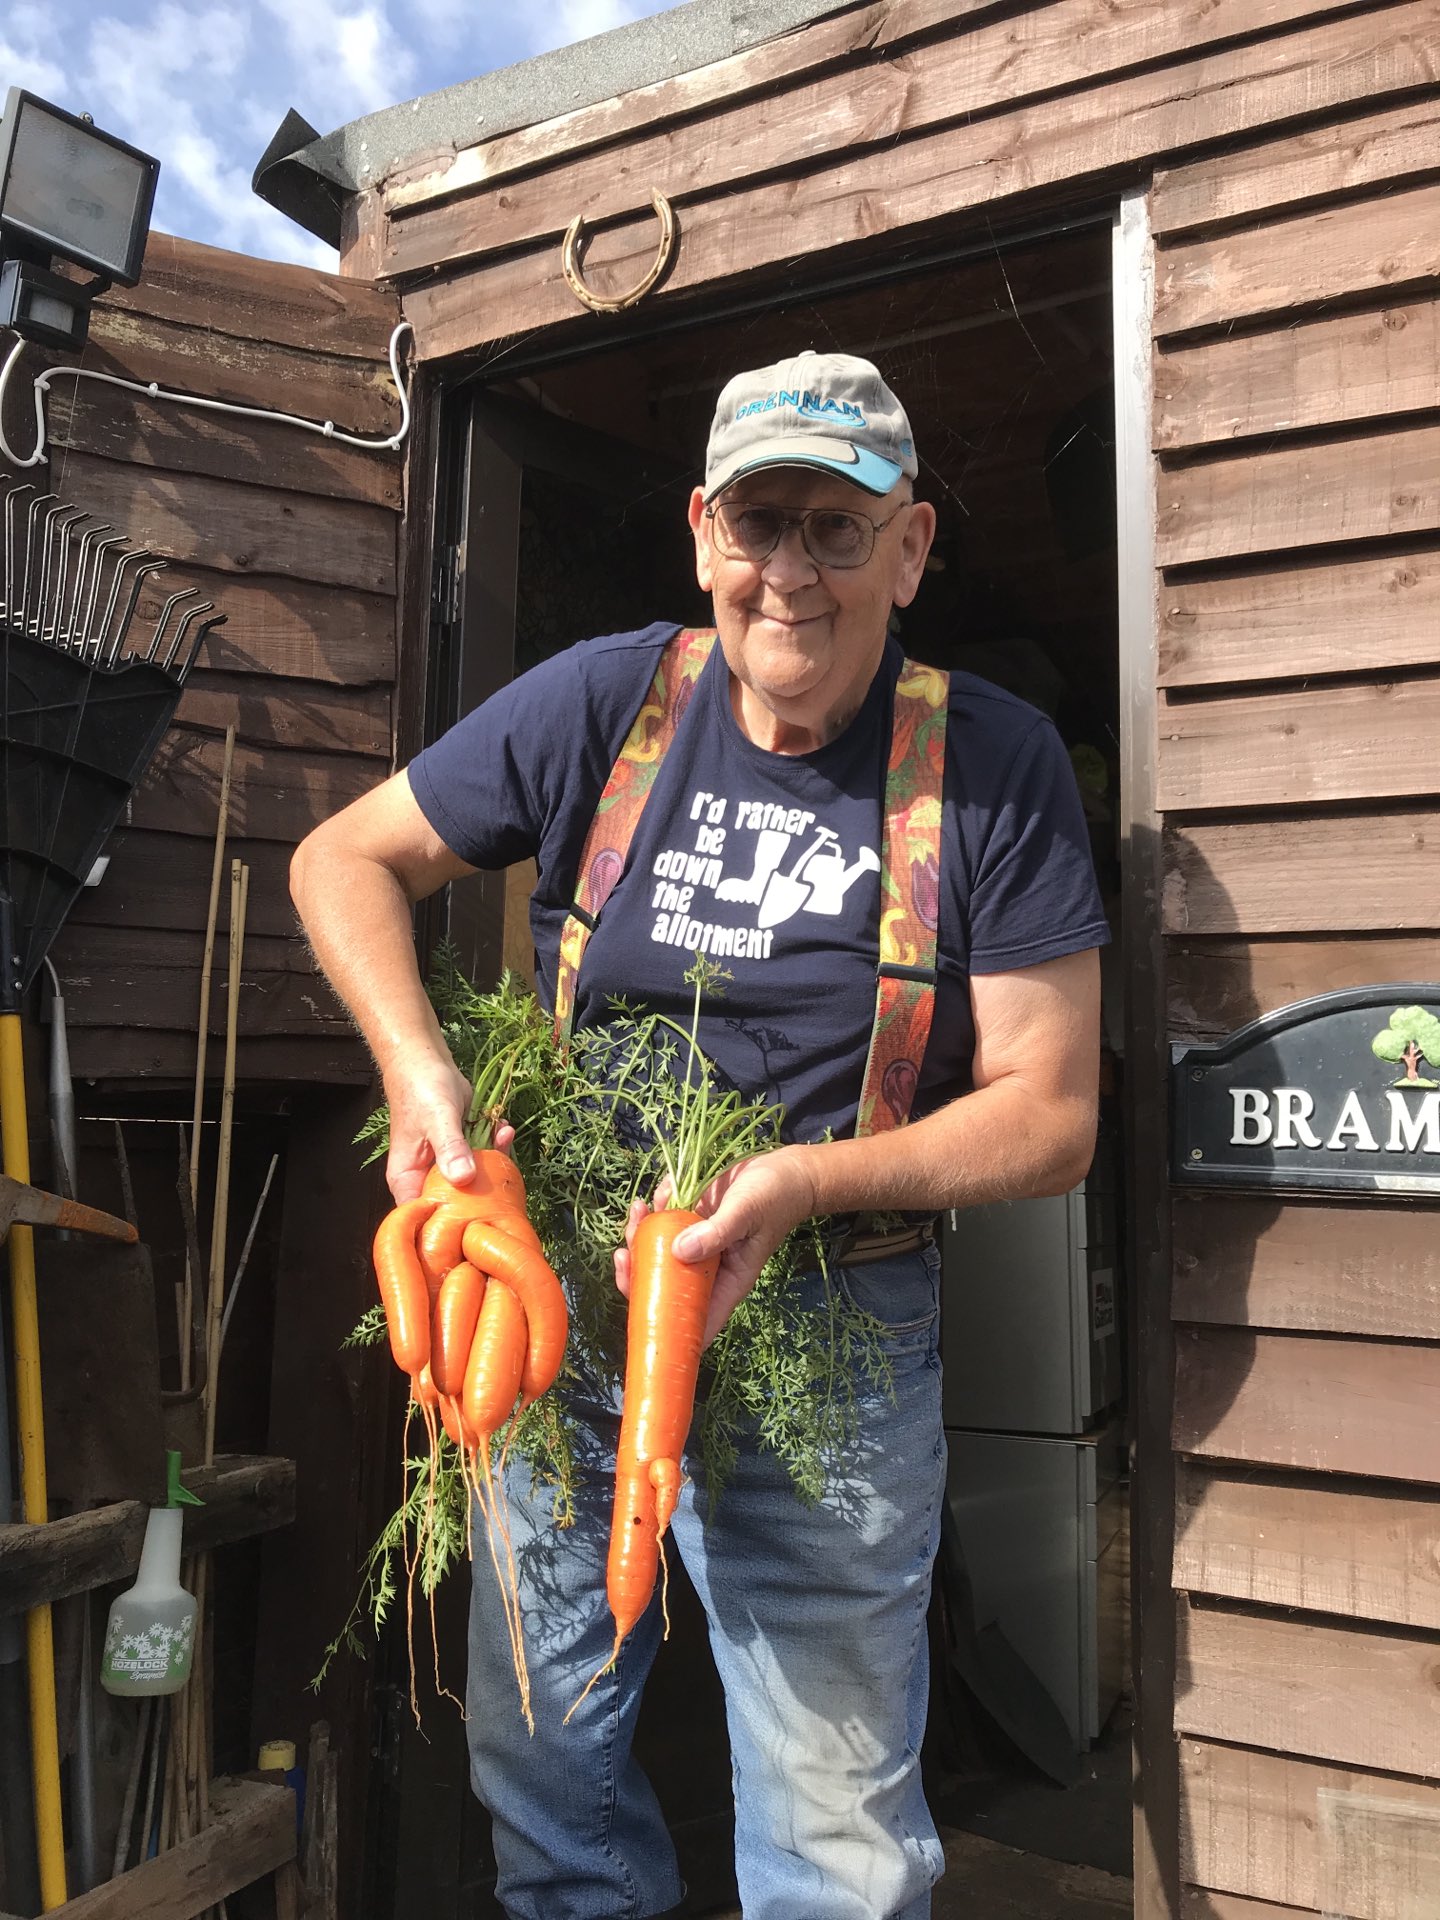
203,86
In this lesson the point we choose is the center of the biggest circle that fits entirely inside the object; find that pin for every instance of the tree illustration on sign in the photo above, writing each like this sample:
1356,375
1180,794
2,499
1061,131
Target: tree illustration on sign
1413,1035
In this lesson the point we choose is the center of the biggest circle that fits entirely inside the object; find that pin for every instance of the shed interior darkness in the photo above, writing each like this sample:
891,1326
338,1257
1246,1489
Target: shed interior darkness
1004,365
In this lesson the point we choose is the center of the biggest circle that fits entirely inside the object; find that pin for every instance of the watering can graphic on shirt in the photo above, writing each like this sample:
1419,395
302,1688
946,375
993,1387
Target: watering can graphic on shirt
816,883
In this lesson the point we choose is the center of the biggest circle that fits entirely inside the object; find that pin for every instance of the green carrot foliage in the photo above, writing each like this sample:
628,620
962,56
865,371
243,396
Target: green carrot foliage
598,1125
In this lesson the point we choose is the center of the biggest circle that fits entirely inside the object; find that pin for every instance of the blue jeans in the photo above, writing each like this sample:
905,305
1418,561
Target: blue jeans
817,1625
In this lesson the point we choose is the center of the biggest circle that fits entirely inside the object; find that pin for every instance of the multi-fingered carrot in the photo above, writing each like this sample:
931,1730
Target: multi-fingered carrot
478,1319
497,1194
432,1285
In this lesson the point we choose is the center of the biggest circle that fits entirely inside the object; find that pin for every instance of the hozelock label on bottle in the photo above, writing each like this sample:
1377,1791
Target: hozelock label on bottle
153,1653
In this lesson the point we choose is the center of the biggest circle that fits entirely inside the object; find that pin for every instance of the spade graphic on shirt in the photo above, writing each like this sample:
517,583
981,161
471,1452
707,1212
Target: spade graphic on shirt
816,882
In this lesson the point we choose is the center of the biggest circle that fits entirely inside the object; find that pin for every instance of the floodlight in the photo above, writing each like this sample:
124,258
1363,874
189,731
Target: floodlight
66,190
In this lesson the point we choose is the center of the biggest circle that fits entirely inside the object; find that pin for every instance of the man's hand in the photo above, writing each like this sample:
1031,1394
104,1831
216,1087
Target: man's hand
747,1212
429,1099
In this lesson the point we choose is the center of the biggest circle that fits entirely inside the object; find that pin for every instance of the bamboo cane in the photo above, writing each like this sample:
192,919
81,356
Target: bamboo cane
197,1776
222,825
132,1787
189,1739
219,1224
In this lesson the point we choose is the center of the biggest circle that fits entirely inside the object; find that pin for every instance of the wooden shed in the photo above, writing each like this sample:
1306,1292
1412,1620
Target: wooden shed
1160,284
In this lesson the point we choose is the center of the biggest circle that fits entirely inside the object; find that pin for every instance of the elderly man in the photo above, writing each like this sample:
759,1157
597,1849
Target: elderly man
821,814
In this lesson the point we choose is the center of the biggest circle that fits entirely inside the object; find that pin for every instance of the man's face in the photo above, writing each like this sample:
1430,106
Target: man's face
805,639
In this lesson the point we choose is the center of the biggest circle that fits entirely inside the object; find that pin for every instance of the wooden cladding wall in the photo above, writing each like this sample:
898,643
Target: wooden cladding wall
898,116
294,537
1297,432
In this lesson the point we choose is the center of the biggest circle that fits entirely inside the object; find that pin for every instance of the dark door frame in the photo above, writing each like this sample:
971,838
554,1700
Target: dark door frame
469,526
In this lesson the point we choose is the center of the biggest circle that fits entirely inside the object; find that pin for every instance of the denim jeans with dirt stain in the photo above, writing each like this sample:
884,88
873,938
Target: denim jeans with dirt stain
817,1624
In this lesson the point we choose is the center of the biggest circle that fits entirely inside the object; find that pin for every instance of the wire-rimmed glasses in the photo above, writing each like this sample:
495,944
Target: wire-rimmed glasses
833,536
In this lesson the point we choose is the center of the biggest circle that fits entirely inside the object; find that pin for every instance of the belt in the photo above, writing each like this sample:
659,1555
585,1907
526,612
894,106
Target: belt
862,1245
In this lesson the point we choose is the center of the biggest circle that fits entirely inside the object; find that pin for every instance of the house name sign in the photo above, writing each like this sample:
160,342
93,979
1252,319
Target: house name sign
1340,1093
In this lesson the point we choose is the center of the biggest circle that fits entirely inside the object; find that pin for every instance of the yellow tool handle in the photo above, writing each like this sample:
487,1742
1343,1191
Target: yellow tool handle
34,1497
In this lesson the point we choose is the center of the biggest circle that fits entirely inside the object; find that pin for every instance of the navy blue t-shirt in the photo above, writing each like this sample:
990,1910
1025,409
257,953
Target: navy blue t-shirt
769,862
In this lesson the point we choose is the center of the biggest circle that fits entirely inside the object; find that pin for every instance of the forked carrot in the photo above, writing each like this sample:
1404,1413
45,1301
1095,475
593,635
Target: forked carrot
669,1299
669,1303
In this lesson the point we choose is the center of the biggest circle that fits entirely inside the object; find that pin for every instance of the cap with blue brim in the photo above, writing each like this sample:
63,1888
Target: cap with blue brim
828,411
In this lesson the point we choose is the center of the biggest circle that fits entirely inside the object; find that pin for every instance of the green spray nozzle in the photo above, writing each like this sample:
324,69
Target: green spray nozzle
177,1495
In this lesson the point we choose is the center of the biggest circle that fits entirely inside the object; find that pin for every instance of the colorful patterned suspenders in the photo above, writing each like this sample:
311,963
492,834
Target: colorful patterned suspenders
909,864
621,804
909,899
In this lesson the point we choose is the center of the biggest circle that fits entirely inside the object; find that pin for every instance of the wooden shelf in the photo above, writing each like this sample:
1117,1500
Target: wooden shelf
244,1495
252,1834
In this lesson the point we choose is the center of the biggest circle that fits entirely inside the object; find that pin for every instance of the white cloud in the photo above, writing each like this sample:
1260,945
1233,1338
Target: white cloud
27,54
350,61
562,22
158,80
203,84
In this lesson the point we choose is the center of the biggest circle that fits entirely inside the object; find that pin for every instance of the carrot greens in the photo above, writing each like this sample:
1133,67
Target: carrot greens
629,1108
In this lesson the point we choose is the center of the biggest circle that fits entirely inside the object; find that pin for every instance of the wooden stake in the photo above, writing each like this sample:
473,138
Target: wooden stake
239,897
197,1770
222,825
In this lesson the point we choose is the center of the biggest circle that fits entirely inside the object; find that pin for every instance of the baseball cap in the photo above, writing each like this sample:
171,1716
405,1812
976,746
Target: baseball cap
831,411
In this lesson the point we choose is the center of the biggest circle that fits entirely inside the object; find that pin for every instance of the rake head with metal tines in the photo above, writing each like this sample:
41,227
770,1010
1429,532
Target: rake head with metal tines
84,703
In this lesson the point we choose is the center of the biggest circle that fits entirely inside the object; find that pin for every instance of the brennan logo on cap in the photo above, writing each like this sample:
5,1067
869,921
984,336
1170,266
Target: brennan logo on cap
831,411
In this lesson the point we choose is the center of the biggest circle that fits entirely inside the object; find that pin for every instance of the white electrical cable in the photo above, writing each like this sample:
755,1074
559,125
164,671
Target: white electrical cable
327,429
5,447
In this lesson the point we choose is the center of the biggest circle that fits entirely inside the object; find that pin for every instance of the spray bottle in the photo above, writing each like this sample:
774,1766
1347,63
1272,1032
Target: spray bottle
151,1633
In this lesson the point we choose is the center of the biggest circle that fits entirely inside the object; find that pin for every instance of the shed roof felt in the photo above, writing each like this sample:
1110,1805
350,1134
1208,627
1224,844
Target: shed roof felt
366,151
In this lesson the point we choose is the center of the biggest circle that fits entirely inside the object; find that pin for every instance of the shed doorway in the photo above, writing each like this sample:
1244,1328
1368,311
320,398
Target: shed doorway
560,514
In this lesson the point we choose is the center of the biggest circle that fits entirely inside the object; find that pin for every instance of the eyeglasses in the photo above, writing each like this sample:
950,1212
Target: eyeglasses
833,536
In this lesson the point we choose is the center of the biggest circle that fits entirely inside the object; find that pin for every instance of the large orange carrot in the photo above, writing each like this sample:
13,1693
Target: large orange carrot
669,1299
452,1326
504,1256
403,1288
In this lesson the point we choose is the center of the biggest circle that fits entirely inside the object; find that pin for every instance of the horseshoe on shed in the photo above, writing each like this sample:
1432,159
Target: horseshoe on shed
616,303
